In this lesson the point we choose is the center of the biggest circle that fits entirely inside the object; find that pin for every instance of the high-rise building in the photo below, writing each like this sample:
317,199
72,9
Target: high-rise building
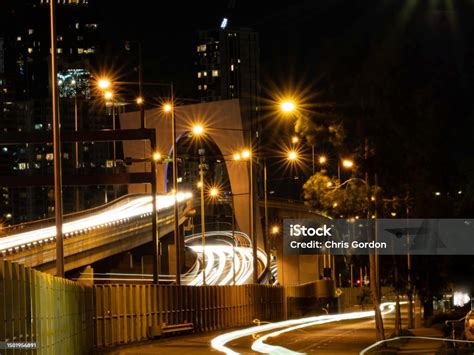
25,104
228,68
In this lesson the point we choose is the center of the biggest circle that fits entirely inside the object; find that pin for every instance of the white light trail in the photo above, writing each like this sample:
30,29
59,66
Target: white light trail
135,206
219,343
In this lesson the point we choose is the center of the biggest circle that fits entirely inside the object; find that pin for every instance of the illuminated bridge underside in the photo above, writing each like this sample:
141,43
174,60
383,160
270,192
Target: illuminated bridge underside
91,235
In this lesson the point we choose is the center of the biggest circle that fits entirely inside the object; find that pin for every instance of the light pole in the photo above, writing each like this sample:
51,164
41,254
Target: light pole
347,164
58,197
170,109
76,144
109,97
203,217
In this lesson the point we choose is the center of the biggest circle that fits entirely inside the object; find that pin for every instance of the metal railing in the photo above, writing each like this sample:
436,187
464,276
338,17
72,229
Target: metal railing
53,314
128,313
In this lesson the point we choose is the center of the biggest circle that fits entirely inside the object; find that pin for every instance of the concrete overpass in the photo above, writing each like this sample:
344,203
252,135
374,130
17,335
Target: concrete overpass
90,235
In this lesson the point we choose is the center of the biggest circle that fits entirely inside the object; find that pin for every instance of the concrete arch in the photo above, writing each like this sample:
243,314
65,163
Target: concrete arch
213,115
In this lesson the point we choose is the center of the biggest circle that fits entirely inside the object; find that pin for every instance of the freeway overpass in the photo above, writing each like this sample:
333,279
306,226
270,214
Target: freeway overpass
93,234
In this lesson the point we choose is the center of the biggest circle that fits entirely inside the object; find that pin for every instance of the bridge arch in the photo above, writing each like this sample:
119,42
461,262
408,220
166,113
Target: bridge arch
224,127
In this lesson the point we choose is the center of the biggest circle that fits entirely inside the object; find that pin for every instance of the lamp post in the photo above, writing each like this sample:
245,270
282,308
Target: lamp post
154,226
170,109
109,97
346,163
203,217
58,197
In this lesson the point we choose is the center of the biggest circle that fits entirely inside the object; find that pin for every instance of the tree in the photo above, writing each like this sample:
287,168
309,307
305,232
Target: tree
351,198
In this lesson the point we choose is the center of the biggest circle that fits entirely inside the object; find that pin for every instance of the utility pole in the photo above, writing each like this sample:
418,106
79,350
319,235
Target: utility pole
58,198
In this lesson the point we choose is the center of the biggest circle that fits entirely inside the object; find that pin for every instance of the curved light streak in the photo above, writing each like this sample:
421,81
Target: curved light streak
219,343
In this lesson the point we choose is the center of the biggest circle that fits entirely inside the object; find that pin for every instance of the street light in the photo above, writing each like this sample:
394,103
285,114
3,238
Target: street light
108,95
213,192
295,139
292,156
198,129
322,159
287,106
58,197
104,84
347,164
169,108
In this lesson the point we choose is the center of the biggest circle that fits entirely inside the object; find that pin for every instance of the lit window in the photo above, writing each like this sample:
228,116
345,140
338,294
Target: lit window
38,156
80,50
204,73
77,26
199,74
232,67
205,87
60,50
199,87
22,166
18,38
31,31
49,156
30,50
201,48
89,51
109,163
215,73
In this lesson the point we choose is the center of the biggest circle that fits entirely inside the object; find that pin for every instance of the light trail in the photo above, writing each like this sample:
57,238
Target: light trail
219,343
136,206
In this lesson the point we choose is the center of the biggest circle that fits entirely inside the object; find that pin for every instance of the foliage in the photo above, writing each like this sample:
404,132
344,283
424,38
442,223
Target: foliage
349,199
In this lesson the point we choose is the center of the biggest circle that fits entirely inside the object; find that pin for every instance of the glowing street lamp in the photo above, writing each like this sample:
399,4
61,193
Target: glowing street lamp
245,154
348,164
157,156
295,139
214,192
198,129
292,156
167,107
108,95
287,106
140,100
103,84
275,230
322,159
236,156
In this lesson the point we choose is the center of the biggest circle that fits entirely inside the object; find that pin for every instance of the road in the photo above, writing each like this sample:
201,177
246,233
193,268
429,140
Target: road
338,337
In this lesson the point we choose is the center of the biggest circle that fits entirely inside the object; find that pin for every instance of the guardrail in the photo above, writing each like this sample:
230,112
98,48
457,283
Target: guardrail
45,314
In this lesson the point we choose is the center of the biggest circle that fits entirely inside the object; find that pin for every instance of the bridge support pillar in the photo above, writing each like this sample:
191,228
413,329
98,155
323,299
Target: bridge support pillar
171,250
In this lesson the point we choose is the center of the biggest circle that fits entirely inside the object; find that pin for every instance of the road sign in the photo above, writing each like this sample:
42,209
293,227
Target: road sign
338,292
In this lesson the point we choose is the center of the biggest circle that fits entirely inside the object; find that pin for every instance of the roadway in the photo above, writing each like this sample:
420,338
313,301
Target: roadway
319,335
